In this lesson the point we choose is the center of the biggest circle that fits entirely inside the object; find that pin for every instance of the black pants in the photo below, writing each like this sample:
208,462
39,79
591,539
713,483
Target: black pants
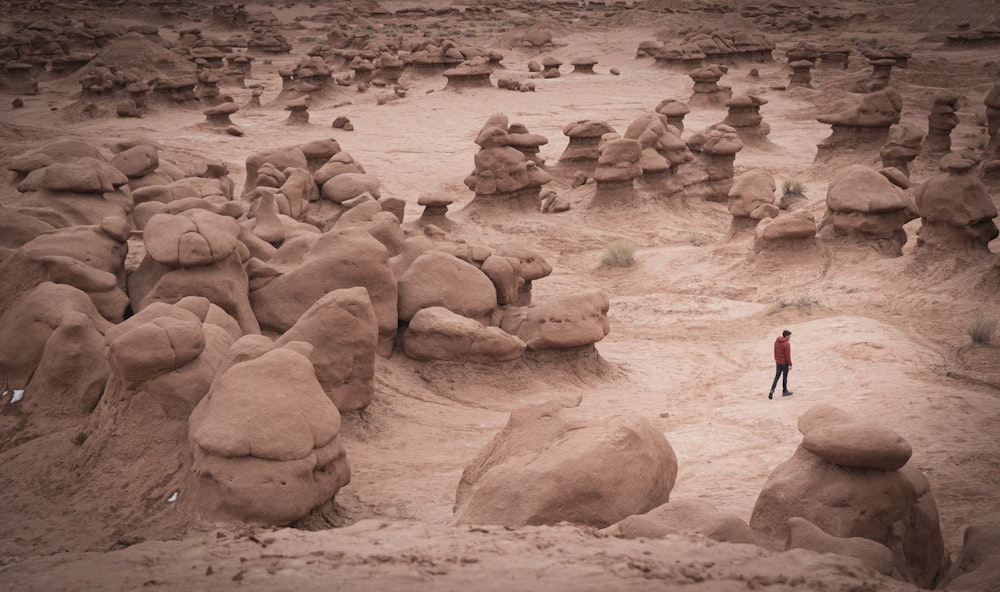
781,371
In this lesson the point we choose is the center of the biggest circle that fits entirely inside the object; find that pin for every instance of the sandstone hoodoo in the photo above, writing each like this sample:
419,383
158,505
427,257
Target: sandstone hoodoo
708,94
503,175
865,206
469,351
956,211
863,129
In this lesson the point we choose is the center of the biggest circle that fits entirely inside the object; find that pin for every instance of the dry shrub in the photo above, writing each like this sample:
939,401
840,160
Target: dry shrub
620,253
981,329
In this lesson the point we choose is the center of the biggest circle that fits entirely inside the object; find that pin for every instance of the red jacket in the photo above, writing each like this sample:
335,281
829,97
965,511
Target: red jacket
782,351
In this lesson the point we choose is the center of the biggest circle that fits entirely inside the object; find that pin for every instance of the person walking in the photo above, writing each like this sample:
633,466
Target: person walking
783,361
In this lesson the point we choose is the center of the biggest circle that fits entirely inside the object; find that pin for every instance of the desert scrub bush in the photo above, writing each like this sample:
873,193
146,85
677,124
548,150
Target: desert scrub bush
696,238
981,329
800,301
981,119
267,61
620,253
793,186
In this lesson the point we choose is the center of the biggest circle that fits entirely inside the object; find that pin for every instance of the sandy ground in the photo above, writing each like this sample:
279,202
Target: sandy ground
690,346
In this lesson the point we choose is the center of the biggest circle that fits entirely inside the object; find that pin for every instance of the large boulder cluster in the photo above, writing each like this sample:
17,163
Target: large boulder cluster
225,318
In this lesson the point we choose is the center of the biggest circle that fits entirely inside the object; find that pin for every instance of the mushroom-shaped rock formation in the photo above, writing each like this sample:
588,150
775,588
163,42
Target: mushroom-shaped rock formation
717,147
803,51
863,204
265,439
617,167
648,48
193,253
681,57
208,91
549,464
503,175
17,79
218,116
388,68
940,122
675,111
850,478
707,92
583,65
862,129
681,517
584,139
179,90
900,57
435,211
663,150
881,73
744,116
903,146
835,56
526,142
550,67
801,75
751,199
364,70
268,43
474,73
298,112
956,210
436,333
794,231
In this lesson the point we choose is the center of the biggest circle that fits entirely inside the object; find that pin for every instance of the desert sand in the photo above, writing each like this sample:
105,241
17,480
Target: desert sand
692,320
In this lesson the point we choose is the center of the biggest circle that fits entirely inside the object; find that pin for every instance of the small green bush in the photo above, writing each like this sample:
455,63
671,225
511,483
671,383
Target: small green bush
981,329
620,253
981,119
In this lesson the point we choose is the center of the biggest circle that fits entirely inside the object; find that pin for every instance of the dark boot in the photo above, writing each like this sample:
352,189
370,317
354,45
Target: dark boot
787,394
770,395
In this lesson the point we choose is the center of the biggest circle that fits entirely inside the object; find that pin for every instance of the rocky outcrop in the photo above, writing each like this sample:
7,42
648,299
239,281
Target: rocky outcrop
861,130
551,465
864,205
503,175
850,478
265,438
708,94
956,210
